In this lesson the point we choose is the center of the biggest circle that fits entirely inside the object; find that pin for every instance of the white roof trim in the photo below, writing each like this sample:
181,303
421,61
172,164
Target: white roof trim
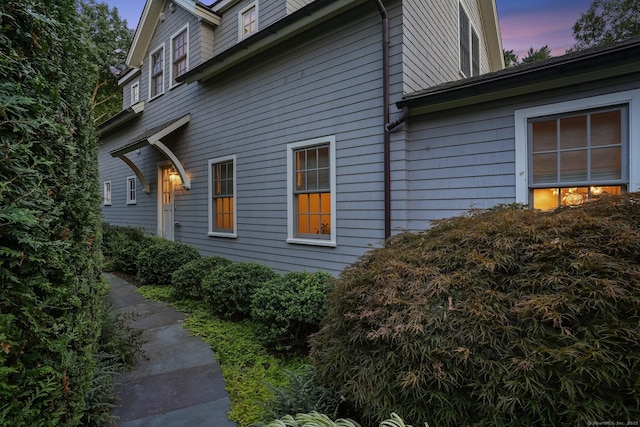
149,21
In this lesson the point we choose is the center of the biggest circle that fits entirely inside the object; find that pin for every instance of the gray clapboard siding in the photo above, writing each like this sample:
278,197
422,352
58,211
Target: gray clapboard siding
293,5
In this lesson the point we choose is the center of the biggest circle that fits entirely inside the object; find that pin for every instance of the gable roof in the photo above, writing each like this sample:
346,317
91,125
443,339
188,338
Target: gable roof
579,67
149,19
310,15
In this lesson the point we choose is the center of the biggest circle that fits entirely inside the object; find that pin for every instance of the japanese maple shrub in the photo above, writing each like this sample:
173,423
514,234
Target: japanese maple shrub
502,317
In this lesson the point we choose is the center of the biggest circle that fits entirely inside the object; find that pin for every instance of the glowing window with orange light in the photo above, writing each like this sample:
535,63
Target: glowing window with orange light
577,158
312,192
223,197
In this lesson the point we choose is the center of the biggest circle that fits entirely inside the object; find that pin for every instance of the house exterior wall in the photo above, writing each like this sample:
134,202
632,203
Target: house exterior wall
464,159
326,85
326,82
431,48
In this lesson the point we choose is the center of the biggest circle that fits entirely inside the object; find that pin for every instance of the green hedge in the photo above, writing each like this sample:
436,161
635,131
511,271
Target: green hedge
50,292
503,317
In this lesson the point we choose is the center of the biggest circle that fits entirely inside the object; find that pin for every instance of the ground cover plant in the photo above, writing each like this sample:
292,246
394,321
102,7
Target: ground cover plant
248,368
500,317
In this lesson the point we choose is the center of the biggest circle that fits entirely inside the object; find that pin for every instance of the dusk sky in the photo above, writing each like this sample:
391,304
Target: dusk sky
523,23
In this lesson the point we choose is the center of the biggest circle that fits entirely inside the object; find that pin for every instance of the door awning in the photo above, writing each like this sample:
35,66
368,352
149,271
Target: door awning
152,137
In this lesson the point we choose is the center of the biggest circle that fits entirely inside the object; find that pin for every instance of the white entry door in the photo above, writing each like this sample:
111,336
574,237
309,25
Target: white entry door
167,221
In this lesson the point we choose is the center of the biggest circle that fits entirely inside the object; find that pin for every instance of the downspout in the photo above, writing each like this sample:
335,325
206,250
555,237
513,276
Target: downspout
385,102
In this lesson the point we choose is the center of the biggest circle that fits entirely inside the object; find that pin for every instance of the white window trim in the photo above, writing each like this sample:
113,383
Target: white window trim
332,188
131,201
472,30
235,198
522,116
106,194
171,78
242,11
161,47
136,84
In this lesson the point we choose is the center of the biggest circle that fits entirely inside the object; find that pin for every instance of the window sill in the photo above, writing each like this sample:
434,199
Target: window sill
131,203
156,97
106,204
176,85
312,242
227,235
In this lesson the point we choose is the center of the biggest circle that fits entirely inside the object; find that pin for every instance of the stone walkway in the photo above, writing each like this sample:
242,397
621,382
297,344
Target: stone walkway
176,381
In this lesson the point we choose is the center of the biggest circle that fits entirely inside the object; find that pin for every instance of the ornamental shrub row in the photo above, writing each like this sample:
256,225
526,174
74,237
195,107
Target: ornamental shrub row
287,308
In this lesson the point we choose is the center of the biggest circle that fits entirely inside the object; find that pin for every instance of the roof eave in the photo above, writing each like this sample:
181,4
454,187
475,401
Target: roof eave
617,62
307,17
121,118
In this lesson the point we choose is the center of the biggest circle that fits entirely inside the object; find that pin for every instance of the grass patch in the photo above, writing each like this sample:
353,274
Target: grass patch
247,367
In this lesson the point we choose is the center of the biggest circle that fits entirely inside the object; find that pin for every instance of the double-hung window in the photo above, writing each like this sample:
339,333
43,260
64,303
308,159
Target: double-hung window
469,46
312,192
135,93
222,190
572,152
179,53
248,21
131,190
106,196
156,72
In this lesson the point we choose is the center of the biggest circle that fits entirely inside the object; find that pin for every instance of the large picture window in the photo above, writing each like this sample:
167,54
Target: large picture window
312,191
577,157
572,152
222,207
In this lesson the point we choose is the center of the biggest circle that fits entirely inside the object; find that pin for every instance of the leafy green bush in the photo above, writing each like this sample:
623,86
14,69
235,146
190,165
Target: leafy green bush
316,419
186,281
125,255
228,290
161,258
289,308
302,393
508,316
114,236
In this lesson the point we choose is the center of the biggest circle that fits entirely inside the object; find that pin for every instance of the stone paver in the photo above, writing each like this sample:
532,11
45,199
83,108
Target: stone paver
176,381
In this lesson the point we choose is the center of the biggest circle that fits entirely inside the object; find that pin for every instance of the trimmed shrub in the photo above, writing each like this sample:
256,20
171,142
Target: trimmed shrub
228,290
125,255
289,308
503,317
115,236
187,280
161,258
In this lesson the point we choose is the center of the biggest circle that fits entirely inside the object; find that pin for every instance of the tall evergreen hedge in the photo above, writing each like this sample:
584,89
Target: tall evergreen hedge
50,296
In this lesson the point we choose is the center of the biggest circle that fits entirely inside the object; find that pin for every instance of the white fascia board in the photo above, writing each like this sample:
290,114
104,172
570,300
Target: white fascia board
222,5
144,32
492,36
199,10
130,75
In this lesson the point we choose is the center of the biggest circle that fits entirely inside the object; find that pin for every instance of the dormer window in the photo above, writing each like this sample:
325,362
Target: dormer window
248,21
156,81
179,53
